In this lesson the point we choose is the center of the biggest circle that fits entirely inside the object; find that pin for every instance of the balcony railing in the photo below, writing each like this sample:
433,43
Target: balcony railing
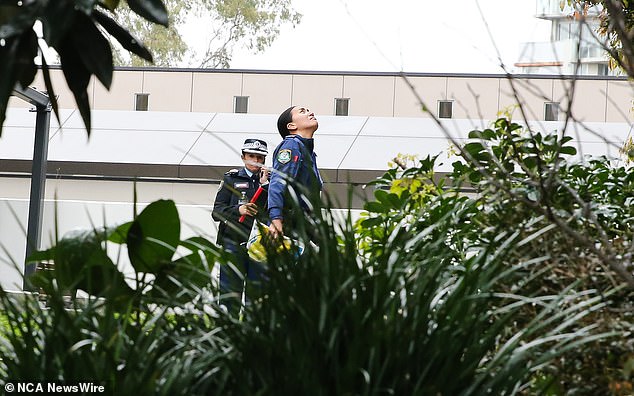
553,9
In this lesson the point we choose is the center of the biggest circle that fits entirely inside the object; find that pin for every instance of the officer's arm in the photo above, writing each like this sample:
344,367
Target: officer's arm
284,169
223,209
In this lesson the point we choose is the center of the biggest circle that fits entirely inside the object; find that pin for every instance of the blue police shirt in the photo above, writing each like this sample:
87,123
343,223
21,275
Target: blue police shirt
295,160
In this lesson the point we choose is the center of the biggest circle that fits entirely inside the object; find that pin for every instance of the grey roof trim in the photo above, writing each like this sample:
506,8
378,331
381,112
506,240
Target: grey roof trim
370,73
205,145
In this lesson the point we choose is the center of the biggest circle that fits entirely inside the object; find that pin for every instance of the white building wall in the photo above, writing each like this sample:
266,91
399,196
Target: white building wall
88,204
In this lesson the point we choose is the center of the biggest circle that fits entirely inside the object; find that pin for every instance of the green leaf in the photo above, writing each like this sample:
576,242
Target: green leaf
487,134
428,163
175,281
77,78
7,75
100,277
475,177
388,200
49,89
198,243
16,65
501,123
459,169
532,195
85,6
475,134
127,40
27,51
183,274
474,149
81,262
153,236
371,222
375,207
569,150
565,139
152,10
93,49
57,19
381,195
15,20
514,127
394,200
41,255
531,162
119,234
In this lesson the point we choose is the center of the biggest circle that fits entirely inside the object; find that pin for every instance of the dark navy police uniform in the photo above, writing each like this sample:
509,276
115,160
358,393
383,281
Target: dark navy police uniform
230,231
232,234
294,157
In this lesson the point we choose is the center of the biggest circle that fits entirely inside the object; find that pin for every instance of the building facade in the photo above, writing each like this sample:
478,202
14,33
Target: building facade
171,133
573,48
457,96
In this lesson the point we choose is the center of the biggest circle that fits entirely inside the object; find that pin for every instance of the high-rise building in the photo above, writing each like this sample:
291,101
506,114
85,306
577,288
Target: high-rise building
574,47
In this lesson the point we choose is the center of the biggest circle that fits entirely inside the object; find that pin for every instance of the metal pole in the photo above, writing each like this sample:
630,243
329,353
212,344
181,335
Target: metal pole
38,184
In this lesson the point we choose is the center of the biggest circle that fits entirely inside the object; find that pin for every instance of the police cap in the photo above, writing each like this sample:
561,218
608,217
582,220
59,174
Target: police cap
255,146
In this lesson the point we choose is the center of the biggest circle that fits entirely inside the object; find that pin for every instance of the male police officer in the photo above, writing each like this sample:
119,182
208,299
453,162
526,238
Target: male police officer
232,202
294,161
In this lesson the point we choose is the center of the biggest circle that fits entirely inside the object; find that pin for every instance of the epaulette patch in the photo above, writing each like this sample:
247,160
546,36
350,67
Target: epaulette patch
284,156
232,172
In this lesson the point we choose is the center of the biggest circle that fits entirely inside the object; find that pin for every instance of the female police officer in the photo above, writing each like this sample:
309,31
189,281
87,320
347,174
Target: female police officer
232,202
294,161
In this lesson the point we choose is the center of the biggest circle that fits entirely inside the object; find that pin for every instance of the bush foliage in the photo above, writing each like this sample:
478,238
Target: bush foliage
519,287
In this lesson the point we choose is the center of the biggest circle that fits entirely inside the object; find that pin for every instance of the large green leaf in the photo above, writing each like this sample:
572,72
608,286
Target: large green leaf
93,49
41,255
16,65
70,255
176,281
78,77
152,10
57,19
27,50
49,88
85,6
119,234
569,150
81,262
153,236
7,77
126,40
15,19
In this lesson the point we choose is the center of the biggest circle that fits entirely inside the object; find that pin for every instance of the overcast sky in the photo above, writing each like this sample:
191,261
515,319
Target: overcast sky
409,35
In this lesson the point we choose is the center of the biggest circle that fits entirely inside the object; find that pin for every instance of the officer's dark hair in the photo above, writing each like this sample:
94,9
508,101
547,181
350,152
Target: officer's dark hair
283,121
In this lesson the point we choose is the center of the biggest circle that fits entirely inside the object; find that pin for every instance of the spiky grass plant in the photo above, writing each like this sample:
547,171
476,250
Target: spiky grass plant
413,317
87,322
429,294
414,313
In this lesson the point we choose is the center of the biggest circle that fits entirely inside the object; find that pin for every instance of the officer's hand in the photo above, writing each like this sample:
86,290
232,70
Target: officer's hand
264,175
276,229
248,209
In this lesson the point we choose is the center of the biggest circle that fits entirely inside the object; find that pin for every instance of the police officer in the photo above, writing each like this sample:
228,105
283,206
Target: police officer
232,202
294,162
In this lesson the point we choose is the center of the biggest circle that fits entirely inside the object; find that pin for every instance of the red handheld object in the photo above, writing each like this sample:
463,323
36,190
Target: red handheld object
253,199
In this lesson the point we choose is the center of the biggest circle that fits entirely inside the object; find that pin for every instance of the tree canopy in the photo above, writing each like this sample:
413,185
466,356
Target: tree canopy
91,36
617,27
252,24
77,31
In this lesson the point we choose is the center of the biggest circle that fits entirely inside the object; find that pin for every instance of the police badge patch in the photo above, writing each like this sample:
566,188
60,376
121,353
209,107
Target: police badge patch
284,156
